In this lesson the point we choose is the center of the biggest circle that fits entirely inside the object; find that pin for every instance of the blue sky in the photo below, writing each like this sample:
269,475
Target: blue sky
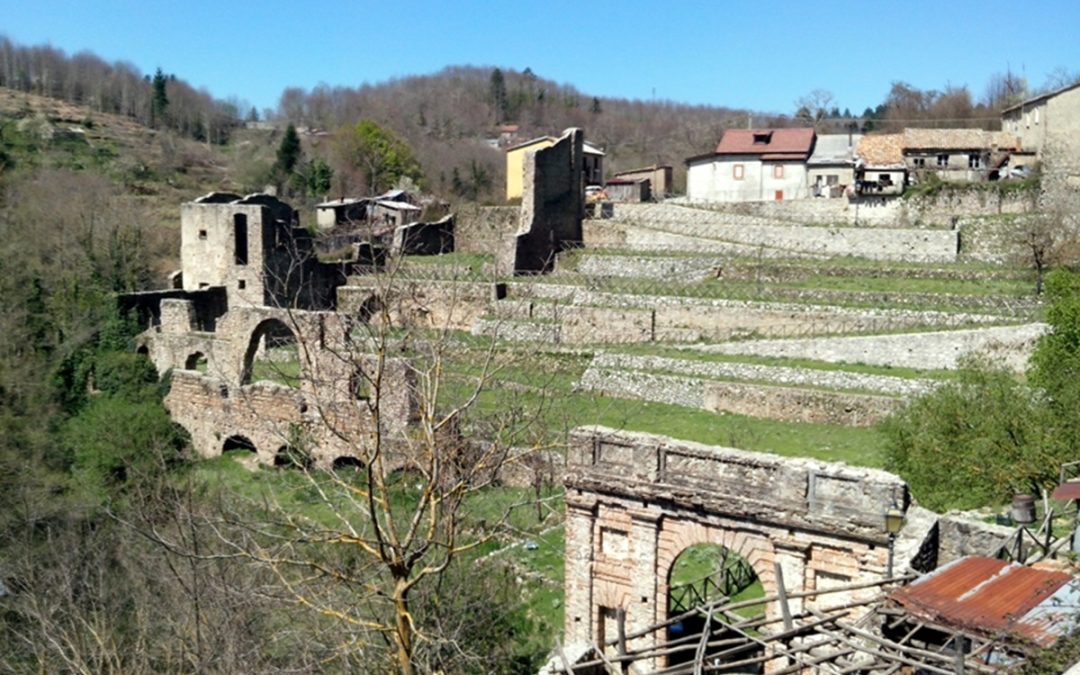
757,55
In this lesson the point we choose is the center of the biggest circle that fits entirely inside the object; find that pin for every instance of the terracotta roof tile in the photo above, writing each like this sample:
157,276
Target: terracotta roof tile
881,150
796,143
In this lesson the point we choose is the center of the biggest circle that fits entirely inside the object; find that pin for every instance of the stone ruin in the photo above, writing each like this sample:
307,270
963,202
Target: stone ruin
635,502
250,287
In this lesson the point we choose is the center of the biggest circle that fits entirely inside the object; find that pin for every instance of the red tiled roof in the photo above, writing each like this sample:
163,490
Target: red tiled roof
988,597
780,143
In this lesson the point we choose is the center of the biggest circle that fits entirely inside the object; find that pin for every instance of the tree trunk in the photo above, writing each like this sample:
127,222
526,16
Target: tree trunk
403,636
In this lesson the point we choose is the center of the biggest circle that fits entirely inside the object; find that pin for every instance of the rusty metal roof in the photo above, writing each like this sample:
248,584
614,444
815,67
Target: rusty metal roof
1066,491
994,598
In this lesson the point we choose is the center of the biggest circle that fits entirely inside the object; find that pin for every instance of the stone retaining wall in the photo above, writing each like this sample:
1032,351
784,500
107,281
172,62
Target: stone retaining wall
1010,345
938,210
690,384
612,364
671,227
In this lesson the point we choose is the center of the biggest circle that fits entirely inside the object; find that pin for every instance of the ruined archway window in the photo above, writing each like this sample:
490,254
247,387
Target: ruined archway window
289,456
707,573
240,238
272,355
346,463
196,361
241,443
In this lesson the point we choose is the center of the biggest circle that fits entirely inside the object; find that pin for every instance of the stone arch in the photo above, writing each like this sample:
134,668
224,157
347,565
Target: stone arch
275,332
754,547
194,360
347,463
239,442
143,350
290,457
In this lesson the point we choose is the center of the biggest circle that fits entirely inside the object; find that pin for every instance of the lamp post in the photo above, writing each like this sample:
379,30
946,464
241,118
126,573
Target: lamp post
894,521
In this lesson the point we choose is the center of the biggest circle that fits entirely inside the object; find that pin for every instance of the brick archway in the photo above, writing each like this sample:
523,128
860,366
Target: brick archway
676,536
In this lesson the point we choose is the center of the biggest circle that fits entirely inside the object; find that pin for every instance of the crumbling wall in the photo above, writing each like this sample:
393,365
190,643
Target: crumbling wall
424,238
552,207
452,305
483,229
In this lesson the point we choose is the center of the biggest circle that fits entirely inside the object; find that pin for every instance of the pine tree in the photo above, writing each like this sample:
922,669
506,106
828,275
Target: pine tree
159,101
288,153
499,100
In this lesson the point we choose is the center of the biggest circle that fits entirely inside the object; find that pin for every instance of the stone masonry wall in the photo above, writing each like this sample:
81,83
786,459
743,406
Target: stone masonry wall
482,229
552,207
937,210
636,501
1009,345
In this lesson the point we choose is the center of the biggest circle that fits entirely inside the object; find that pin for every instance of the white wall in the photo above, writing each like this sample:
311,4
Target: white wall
714,180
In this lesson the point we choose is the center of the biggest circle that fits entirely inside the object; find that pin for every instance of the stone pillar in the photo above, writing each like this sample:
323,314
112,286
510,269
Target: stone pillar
580,516
177,316
641,610
792,556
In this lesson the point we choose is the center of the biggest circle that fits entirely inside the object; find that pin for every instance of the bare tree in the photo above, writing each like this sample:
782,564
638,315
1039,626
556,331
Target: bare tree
1048,240
390,532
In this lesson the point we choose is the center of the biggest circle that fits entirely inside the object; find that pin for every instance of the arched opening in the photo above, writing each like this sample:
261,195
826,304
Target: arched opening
272,355
703,574
143,350
346,463
196,361
288,456
239,443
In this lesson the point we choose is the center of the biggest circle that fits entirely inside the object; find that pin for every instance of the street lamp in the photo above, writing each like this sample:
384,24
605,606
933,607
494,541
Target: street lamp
894,522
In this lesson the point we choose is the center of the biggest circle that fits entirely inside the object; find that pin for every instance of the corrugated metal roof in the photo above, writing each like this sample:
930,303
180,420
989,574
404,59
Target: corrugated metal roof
344,201
1066,491
834,148
796,142
991,597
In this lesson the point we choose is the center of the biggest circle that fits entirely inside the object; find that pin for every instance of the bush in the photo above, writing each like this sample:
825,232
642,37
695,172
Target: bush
973,442
126,375
114,441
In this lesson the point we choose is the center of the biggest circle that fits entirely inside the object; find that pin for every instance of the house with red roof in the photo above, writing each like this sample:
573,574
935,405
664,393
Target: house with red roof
752,165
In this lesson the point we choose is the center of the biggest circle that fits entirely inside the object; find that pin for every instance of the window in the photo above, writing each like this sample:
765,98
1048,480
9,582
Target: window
832,180
737,171
202,234
919,162
240,238
943,160
762,139
241,284
778,171
884,179
975,161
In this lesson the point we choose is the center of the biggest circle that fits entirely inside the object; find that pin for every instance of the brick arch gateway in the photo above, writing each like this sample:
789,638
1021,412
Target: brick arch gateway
635,501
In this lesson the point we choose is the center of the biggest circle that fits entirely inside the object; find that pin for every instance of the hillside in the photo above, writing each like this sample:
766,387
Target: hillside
447,116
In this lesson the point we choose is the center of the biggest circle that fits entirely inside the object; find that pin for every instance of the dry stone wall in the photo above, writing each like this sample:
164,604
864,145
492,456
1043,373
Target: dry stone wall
659,227
792,394
933,211
1010,345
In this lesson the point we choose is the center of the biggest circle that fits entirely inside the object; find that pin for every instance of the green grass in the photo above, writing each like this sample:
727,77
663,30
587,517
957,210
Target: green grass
691,354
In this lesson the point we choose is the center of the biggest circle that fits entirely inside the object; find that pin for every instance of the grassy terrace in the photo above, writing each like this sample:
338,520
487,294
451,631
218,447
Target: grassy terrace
688,353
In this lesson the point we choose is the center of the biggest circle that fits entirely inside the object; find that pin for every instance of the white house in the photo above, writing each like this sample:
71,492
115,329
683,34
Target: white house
752,165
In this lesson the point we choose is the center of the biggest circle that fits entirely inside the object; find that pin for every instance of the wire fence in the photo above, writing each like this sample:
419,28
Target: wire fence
608,289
